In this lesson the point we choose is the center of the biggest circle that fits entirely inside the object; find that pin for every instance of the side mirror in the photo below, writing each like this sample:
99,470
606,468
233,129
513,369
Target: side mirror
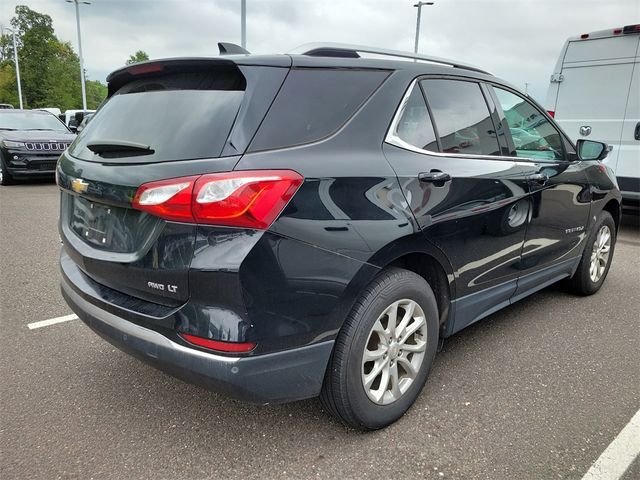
592,150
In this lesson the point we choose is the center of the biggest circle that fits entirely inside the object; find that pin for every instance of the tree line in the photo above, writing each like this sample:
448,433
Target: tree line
49,67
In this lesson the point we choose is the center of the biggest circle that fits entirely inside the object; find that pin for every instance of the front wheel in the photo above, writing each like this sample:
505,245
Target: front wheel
384,351
5,176
596,258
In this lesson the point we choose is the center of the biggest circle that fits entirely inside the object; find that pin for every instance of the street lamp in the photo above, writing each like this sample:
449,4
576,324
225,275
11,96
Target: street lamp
419,5
84,92
15,59
243,24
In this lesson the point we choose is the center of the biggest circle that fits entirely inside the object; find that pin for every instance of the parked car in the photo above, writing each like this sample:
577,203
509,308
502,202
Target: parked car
595,93
5,106
52,110
84,122
282,227
30,143
73,118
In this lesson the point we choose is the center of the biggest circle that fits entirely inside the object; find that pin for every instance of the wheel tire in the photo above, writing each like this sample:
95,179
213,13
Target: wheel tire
343,392
5,177
582,283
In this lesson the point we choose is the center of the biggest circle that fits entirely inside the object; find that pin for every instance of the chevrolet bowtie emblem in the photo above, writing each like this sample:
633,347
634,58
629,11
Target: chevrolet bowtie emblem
79,186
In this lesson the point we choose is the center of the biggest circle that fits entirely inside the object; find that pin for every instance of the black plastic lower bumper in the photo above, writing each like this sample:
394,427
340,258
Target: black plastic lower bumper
279,377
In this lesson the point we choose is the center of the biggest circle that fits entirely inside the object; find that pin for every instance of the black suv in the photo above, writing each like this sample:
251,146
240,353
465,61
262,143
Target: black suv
282,227
30,144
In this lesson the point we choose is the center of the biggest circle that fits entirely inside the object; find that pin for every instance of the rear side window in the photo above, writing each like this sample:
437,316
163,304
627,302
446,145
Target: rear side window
461,116
414,126
533,135
179,116
313,103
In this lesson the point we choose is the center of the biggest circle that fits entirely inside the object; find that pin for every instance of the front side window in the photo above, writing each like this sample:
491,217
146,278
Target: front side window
414,126
533,135
461,116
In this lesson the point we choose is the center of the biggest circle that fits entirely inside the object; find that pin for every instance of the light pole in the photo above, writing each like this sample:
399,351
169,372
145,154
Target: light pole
84,92
419,5
243,23
15,59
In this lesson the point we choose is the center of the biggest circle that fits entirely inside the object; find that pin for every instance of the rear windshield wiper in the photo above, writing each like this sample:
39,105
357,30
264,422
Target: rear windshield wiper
119,148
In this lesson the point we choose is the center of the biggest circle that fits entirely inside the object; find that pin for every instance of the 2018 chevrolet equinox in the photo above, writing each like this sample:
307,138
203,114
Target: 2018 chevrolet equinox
282,227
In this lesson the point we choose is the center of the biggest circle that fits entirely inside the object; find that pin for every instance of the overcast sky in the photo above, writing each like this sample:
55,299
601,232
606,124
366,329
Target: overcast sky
518,40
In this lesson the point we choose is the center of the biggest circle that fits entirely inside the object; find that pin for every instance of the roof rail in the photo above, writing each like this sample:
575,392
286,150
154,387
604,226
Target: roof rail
330,49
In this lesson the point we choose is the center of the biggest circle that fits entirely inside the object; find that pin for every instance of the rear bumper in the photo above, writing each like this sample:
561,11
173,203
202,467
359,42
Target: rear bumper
279,377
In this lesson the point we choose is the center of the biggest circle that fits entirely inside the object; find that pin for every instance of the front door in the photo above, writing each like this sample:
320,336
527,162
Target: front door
559,189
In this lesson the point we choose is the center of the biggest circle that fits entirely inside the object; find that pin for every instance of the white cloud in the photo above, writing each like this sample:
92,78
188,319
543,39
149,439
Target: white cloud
518,40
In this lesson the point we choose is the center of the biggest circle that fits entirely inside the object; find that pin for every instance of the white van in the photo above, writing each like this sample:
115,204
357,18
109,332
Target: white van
595,93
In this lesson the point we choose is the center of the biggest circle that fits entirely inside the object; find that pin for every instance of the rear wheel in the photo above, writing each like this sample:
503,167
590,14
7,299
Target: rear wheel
596,258
384,352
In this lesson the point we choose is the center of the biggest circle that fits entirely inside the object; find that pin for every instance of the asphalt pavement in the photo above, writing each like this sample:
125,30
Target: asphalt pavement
535,391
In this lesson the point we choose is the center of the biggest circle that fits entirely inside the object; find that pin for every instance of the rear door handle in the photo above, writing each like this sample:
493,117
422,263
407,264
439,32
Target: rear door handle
434,177
538,178
636,132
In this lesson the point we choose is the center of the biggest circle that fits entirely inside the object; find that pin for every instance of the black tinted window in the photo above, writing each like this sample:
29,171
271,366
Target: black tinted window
179,116
414,126
462,117
313,103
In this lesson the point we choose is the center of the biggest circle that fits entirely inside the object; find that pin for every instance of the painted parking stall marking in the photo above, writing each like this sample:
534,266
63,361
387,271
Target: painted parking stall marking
51,321
620,453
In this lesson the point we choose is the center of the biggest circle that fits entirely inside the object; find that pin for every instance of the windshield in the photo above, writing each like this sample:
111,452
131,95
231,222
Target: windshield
31,121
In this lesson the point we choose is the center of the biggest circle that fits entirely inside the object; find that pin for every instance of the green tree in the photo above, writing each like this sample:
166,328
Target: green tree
8,84
139,56
96,93
49,68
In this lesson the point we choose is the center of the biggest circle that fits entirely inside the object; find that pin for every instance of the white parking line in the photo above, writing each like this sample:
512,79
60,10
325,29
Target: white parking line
615,460
51,321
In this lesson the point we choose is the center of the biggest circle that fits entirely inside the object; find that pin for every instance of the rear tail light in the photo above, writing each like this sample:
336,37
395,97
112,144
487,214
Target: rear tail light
551,113
252,199
217,345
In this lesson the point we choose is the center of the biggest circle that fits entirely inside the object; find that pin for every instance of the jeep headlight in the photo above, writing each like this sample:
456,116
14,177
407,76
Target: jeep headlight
10,144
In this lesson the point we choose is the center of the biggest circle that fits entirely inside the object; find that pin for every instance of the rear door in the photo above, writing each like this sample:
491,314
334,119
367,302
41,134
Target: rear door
592,97
469,201
161,121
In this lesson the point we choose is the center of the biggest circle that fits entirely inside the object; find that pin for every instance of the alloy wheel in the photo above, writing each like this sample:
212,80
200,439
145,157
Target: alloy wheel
394,351
600,254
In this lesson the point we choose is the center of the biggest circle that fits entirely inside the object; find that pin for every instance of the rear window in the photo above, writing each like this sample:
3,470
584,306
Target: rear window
179,116
313,103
